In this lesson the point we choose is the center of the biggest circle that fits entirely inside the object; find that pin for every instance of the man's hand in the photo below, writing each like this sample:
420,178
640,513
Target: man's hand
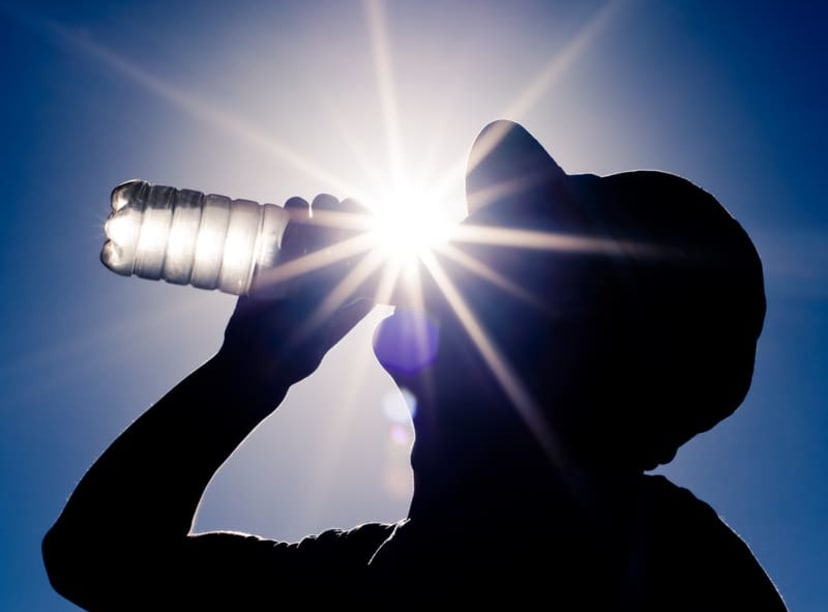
286,337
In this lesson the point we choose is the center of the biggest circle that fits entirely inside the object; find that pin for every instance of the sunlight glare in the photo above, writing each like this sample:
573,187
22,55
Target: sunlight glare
407,224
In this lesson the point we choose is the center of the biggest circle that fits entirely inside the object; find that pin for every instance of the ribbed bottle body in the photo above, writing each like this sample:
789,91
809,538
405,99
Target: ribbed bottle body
187,237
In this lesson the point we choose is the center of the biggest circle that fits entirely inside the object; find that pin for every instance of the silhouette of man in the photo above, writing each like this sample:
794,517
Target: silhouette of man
617,318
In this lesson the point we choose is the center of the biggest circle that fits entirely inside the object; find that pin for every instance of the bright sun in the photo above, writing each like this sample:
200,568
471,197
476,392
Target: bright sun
407,222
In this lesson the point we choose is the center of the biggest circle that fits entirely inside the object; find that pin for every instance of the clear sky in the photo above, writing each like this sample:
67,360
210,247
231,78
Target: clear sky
265,100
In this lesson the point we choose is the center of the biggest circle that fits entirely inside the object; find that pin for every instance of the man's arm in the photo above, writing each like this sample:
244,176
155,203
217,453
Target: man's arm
125,529
139,499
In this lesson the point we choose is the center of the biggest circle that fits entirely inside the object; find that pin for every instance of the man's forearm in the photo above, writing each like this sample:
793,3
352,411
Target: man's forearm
147,485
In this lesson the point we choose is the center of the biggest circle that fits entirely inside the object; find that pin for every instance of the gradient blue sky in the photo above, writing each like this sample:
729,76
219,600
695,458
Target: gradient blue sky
266,100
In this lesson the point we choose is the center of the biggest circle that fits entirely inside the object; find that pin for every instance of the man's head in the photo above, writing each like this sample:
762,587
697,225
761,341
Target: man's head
628,306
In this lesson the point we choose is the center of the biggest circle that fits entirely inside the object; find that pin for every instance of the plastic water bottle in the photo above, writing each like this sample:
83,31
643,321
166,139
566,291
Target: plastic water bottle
189,238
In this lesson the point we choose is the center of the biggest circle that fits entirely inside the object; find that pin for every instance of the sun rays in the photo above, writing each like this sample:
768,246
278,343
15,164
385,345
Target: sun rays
393,244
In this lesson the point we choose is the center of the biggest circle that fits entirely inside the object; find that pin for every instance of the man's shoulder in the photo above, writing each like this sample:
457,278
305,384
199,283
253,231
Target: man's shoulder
690,543
675,515
659,490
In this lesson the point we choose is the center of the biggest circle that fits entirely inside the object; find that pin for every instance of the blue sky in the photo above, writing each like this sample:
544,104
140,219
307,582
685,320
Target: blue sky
265,100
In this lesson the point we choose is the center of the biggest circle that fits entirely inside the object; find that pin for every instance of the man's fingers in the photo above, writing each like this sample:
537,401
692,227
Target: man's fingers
326,222
292,240
296,203
324,201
